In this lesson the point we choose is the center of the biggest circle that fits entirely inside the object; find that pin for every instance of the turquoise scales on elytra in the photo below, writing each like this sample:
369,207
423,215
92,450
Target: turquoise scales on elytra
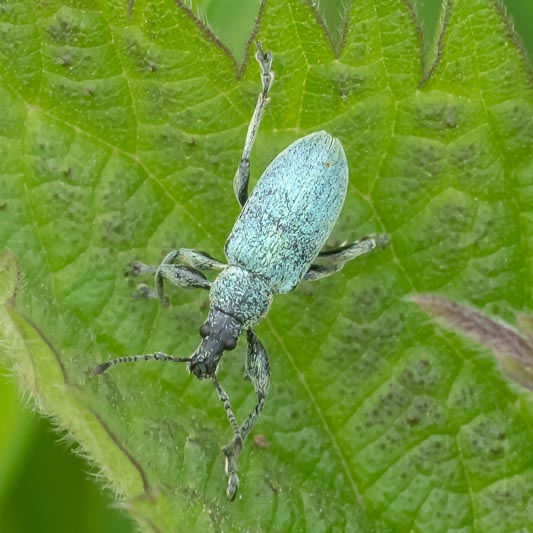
272,247
291,212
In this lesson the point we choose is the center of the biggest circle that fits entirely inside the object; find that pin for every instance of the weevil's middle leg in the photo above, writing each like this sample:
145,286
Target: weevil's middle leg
242,176
331,261
186,275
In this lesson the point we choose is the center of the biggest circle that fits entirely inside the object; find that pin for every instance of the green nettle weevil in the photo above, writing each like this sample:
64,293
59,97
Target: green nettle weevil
272,247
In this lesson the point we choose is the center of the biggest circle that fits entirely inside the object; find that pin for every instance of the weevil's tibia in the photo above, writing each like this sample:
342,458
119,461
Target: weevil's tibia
331,261
157,356
242,176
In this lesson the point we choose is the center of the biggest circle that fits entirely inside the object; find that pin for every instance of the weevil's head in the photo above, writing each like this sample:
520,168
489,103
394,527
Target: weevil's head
239,299
219,332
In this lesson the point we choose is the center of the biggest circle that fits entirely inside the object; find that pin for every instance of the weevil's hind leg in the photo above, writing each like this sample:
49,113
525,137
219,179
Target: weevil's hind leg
257,371
242,176
331,261
186,275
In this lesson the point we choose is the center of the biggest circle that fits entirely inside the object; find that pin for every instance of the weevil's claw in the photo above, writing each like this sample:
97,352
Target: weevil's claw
264,57
259,48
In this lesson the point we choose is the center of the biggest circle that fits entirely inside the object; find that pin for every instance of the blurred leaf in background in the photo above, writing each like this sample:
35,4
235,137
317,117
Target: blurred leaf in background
43,485
31,463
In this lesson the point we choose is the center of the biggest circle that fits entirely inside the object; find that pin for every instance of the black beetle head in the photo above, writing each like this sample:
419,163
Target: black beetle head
219,332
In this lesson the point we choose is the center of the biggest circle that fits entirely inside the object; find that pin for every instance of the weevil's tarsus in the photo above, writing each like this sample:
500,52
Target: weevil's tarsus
265,62
230,468
157,356
242,176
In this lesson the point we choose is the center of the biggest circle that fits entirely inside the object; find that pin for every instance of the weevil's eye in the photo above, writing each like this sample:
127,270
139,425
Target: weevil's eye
205,330
230,343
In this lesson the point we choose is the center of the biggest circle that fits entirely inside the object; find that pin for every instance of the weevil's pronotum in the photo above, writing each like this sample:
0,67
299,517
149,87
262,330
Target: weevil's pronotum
271,248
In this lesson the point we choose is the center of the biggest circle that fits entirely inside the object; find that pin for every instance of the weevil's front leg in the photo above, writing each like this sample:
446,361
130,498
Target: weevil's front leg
331,261
187,275
257,371
240,182
231,465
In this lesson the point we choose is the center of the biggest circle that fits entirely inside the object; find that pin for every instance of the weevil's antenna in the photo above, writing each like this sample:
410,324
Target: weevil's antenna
157,356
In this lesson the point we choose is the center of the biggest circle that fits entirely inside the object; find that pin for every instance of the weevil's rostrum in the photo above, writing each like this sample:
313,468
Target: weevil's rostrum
275,243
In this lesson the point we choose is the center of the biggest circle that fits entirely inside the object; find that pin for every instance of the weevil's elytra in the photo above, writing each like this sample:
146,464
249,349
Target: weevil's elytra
272,247
291,212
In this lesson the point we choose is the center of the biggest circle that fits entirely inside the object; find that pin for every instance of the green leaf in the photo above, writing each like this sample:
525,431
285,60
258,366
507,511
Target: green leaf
120,133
